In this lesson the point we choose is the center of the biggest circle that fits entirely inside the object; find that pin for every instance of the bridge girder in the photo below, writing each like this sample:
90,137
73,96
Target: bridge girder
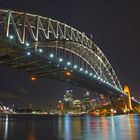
40,29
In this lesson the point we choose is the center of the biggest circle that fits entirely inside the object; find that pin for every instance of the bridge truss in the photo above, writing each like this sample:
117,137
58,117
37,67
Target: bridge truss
43,32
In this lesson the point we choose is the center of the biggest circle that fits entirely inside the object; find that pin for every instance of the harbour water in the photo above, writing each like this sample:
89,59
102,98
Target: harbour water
44,127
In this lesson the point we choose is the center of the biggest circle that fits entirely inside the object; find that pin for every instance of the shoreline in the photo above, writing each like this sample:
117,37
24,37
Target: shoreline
65,115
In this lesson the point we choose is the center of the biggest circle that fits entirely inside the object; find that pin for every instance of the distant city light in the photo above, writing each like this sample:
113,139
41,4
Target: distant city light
87,93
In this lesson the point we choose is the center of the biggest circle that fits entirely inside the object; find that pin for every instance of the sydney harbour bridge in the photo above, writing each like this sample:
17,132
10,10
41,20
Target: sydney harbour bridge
49,48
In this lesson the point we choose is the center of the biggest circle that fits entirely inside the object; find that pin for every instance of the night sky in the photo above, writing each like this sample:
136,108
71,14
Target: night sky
115,26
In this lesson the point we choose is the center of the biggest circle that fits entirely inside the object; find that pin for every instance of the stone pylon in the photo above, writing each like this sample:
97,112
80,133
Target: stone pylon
128,103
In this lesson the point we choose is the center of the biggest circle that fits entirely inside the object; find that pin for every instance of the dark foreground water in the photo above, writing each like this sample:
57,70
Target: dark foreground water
27,127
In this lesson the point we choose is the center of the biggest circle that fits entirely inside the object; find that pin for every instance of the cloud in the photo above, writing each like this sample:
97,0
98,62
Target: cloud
22,90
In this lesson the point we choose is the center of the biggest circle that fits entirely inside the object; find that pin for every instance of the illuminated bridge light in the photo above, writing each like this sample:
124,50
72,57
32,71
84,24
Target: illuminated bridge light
51,55
40,50
81,69
86,71
75,66
11,37
101,79
28,53
58,65
27,44
90,74
68,63
33,78
60,59
95,76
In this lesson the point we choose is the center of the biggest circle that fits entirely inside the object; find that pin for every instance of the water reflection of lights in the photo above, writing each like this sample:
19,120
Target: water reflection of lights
131,126
67,127
88,132
60,125
113,128
6,128
31,135
105,130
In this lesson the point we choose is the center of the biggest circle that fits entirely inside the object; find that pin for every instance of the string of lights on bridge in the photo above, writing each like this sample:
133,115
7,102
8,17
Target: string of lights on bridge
69,65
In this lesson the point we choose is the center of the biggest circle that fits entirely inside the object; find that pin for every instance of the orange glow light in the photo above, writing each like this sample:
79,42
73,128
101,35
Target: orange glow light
68,73
33,78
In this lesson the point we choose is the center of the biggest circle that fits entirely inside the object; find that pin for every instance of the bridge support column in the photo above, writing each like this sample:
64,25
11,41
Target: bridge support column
128,103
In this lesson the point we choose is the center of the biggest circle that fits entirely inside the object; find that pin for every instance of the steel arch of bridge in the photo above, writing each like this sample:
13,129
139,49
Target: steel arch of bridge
40,29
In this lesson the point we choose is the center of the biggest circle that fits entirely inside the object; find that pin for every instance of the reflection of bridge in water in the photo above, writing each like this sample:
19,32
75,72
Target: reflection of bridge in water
49,48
